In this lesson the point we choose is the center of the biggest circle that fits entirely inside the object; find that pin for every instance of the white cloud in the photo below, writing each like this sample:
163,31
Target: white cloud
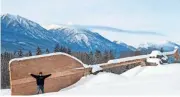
131,39
70,23
51,26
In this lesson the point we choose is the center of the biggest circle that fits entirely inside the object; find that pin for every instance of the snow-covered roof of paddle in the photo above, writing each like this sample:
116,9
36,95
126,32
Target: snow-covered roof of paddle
123,60
46,55
140,56
127,59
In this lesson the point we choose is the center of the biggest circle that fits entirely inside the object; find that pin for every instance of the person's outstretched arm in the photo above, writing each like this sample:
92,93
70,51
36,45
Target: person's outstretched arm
35,76
47,75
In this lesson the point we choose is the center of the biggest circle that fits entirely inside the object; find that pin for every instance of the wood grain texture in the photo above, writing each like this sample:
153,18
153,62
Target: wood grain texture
65,72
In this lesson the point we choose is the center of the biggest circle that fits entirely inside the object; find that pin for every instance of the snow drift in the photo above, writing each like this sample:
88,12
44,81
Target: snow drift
149,80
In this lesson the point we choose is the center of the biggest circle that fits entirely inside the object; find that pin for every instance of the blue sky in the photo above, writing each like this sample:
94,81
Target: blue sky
162,16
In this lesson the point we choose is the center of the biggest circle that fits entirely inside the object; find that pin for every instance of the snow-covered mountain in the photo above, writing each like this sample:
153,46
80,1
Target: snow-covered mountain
124,44
84,39
21,33
165,45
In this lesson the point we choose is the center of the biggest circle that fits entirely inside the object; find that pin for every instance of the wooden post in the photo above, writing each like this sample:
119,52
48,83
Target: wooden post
143,63
176,55
87,71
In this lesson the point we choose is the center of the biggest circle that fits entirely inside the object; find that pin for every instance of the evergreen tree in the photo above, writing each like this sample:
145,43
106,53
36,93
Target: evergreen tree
62,49
86,58
69,51
137,52
105,56
91,58
47,51
65,50
29,53
57,48
5,58
111,55
20,53
15,53
162,50
98,57
38,51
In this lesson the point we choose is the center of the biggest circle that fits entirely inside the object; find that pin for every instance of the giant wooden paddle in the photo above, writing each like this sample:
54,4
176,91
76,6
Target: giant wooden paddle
65,69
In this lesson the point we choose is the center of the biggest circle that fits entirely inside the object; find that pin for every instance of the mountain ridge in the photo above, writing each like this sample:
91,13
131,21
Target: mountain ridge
21,33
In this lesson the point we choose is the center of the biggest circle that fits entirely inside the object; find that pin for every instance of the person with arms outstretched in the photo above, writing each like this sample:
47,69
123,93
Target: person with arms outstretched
40,81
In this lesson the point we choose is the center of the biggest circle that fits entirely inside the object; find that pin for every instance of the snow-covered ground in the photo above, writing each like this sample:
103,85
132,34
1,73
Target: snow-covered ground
150,80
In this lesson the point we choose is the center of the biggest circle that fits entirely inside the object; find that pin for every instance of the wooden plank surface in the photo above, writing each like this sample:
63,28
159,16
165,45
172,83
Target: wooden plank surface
62,68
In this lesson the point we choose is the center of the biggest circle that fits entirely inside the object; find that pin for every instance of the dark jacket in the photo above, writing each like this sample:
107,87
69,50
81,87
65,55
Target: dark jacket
40,79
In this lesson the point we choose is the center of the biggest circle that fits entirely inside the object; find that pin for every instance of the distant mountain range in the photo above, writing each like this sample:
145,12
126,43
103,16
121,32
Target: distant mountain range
165,45
20,33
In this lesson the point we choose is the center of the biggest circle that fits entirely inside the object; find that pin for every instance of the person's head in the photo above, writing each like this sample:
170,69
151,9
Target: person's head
40,73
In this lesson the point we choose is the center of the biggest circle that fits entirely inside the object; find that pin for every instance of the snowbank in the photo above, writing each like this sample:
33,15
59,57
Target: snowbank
154,60
148,80
155,53
5,92
133,72
153,57
95,68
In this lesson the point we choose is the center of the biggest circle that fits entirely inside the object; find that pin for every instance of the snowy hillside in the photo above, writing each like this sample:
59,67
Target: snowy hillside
149,80
21,33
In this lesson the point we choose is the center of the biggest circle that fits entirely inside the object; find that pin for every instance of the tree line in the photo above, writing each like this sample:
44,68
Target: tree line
89,58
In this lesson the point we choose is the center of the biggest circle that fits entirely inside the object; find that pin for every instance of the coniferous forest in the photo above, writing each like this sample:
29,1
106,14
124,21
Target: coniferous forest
89,58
